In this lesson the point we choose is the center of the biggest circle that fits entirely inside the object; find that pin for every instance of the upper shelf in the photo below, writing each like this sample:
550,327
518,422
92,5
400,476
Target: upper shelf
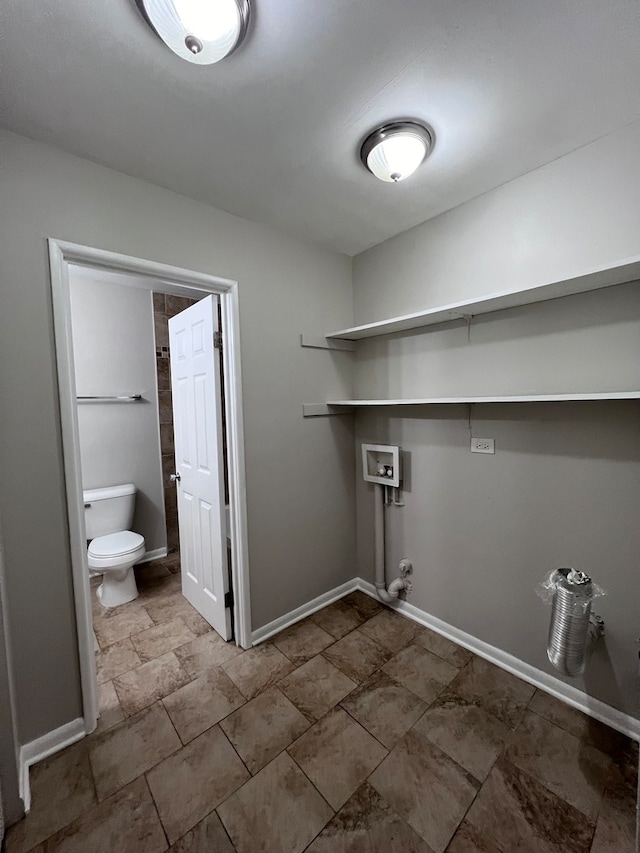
627,270
504,398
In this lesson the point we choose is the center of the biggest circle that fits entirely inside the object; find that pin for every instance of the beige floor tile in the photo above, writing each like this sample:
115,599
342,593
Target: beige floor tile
116,624
147,573
468,734
128,750
367,824
421,672
494,689
154,680
363,604
357,656
61,790
384,708
616,826
109,707
257,669
127,822
538,821
263,727
443,648
165,607
338,619
156,641
208,836
391,630
201,704
568,767
337,754
195,622
206,652
190,784
115,660
469,840
278,811
415,767
303,641
316,687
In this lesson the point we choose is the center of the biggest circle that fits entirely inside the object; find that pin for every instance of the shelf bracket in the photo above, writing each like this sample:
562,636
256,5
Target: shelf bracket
326,343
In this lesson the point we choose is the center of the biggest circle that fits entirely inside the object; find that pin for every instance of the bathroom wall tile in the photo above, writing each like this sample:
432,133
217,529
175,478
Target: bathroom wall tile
201,704
206,652
421,672
176,304
538,821
414,767
162,638
130,749
128,823
568,767
316,687
494,689
61,790
357,656
166,435
190,784
109,707
161,329
159,303
208,836
173,534
443,648
337,754
163,372
263,728
147,683
302,641
468,734
116,623
116,659
362,603
257,669
277,810
170,499
168,468
165,407
390,629
367,823
338,619
384,708
470,840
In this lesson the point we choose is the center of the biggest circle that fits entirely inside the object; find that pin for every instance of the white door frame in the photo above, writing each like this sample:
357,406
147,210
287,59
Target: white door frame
179,282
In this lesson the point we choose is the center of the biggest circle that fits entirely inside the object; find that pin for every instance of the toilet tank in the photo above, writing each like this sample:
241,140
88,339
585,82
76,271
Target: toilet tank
109,510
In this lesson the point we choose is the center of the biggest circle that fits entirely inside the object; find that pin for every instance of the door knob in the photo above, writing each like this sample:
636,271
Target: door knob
175,478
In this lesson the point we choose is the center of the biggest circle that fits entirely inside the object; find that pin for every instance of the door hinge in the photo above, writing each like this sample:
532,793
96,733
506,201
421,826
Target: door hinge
228,600
217,340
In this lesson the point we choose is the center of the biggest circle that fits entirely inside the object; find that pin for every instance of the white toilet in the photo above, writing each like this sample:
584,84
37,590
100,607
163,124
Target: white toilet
113,549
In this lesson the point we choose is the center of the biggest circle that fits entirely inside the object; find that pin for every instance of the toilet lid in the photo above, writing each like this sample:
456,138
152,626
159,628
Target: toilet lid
115,544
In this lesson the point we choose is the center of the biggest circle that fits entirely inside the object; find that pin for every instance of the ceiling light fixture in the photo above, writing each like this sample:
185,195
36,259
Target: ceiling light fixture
395,150
200,31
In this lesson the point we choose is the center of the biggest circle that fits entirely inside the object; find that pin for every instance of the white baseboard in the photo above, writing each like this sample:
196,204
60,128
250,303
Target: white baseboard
44,746
156,554
302,612
595,708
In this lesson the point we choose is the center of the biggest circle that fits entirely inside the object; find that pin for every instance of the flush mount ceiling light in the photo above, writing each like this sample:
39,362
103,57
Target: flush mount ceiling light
395,150
200,31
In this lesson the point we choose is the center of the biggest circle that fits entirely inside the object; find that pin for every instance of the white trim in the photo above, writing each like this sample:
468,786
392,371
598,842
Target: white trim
171,280
156,554
44,746
595,708
304,610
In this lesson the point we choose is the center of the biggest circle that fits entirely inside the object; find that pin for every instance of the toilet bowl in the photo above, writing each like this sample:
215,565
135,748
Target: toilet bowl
113,549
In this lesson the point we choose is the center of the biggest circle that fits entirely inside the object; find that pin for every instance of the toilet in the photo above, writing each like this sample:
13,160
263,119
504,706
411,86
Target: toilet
113,549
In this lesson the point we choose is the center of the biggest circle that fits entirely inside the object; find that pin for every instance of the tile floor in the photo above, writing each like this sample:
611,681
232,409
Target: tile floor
355,731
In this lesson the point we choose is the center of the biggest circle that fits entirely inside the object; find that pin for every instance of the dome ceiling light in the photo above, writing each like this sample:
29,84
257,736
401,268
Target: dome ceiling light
200,31
395,150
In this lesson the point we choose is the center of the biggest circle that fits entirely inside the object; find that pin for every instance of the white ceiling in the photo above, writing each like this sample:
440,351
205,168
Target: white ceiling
272,133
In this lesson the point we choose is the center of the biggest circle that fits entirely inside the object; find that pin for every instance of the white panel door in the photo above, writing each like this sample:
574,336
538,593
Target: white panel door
197,424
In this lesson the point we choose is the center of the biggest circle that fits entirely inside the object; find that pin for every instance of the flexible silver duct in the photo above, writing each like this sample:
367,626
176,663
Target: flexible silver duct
573,627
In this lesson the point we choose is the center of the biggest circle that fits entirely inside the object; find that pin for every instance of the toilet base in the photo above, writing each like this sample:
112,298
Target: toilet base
118,587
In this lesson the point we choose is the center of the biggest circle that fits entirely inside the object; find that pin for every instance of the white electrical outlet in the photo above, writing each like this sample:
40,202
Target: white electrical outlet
483,445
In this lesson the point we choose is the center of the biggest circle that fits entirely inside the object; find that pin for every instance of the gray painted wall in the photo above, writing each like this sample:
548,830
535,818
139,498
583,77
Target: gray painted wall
114,353
300,477
564,485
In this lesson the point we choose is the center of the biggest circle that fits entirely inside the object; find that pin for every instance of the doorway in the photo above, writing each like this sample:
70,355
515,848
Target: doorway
170,281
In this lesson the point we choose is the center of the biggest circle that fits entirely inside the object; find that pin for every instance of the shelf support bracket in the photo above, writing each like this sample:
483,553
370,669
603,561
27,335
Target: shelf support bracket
326,343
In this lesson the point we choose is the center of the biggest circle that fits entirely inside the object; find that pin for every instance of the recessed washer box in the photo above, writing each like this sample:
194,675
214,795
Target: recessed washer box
381,464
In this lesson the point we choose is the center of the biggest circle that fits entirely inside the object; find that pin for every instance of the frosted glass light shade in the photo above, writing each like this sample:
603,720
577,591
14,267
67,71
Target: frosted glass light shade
394,151
200,31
